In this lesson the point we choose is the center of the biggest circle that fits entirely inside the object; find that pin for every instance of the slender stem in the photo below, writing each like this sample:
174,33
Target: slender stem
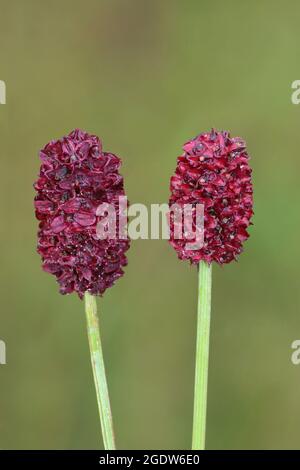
202,354
99,372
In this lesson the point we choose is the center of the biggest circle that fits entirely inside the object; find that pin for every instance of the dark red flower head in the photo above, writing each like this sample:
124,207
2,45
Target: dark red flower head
214,171
76,176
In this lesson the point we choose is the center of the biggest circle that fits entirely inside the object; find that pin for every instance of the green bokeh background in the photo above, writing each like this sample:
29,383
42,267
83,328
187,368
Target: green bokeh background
146,75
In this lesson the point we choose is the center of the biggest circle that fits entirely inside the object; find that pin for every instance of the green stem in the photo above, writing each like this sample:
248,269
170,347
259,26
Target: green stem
99,372
202,354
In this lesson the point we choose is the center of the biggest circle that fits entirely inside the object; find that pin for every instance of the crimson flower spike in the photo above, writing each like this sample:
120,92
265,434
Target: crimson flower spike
214,172
76,177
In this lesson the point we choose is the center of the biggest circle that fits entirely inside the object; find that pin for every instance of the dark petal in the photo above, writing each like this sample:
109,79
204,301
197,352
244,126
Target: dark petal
85,218
44,206
71,206
51,268
58,224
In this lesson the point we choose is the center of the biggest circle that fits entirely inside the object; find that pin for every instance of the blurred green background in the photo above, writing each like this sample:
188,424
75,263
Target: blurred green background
146,76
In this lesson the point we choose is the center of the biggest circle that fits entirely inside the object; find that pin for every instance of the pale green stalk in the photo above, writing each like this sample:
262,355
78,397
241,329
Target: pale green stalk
99,372
202,355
